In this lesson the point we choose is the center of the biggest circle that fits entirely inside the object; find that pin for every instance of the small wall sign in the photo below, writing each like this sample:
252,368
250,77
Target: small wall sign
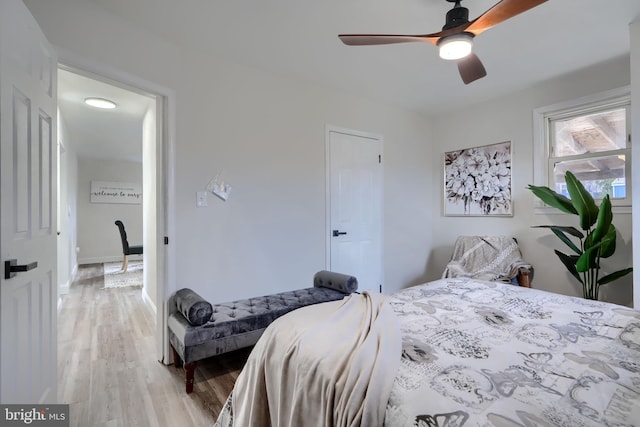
116,192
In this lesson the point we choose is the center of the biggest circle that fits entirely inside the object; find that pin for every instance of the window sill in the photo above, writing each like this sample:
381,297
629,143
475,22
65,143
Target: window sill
546,210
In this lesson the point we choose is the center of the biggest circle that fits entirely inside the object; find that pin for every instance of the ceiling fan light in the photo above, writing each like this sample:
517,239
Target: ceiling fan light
455,46
105,104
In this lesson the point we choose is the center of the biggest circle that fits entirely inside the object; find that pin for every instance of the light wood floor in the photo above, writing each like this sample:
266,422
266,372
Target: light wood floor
107,370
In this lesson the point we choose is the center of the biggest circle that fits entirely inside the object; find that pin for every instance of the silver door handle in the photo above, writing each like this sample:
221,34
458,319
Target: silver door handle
11,268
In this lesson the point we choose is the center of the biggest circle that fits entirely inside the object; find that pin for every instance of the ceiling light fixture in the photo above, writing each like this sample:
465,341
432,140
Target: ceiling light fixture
105,104
455,46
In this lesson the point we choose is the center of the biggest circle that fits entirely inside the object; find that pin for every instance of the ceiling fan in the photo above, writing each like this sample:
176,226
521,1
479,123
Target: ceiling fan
456,38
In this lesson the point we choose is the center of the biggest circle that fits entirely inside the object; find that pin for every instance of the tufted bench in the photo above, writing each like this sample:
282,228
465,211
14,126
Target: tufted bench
198,329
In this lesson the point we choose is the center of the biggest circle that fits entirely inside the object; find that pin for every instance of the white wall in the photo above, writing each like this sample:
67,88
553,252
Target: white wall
67,207
634,29
150,234
98,236
267,134
510,119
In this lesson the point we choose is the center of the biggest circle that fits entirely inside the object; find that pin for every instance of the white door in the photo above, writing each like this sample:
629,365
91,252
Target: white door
27,213
355,207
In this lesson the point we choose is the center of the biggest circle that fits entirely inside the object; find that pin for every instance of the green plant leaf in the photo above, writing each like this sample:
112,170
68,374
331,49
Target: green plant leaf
588,242
582,201
609,243
613,276
560,232
588,259
553,199
597,238
566,229
605,216
570,263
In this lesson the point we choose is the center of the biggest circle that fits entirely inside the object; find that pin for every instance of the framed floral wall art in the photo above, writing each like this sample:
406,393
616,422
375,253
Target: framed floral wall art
477,181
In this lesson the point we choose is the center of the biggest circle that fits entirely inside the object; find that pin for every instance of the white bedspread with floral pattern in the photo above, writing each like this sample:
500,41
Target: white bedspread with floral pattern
488,354
496,355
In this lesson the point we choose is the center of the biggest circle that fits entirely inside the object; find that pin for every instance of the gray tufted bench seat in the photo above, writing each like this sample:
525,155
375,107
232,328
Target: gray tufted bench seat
198,329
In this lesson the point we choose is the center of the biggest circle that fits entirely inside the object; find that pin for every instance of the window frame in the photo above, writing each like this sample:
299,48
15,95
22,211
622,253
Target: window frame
543,158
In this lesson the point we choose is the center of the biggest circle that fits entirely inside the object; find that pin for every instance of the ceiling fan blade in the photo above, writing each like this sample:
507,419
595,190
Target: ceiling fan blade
471,68
374,39
500,12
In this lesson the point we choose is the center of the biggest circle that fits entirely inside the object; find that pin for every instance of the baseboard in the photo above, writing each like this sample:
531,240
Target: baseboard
63,288
147,300
74,273
103,259
98,260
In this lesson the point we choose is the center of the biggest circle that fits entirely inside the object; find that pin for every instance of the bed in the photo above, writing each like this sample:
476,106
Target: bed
469,353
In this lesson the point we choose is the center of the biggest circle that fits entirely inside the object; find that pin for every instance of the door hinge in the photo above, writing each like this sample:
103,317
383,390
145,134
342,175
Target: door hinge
379,158
380,287
166,240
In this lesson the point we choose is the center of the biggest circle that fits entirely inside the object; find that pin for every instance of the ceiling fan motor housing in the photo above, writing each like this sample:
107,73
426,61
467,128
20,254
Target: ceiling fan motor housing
457,16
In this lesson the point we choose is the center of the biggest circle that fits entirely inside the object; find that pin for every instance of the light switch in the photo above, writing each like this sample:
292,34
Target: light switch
201,199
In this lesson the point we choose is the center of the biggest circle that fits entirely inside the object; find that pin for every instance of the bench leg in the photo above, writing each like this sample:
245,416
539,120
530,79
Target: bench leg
177,361
189,368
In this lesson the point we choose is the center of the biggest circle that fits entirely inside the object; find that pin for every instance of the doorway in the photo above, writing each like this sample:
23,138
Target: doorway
354,206
134,139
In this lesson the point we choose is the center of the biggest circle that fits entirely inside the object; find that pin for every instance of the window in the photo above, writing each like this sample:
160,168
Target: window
590,137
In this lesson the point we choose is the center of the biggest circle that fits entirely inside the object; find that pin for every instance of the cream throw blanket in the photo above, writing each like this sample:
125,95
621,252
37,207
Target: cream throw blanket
485,258
330,364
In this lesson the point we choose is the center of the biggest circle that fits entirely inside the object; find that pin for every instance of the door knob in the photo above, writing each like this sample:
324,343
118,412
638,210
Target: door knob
11,268
337,233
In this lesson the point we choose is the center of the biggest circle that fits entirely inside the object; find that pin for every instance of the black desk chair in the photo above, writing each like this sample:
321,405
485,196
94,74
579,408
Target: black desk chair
126,249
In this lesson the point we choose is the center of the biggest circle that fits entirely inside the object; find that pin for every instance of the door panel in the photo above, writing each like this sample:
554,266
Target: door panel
22,160
45,159
355,186
28,371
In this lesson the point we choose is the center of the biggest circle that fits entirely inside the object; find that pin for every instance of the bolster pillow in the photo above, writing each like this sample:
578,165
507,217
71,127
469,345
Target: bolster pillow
193,307
337,281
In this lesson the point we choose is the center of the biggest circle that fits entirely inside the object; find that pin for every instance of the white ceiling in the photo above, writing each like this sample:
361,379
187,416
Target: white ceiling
298,38
107,134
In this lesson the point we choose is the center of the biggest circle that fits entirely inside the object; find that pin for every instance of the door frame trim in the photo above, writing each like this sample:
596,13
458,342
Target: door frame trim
327,142
166,97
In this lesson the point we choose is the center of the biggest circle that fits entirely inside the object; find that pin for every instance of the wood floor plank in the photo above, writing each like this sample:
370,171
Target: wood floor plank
107,367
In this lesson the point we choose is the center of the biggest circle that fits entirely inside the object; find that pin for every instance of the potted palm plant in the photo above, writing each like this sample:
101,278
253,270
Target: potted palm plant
597,234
